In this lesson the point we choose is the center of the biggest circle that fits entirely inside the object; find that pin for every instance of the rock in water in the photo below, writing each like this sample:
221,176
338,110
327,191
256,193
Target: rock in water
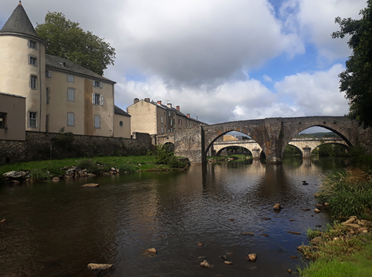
252,257
91,185
150,251
93,266
277,207
228,262
294,233
316,211
205,264
247,233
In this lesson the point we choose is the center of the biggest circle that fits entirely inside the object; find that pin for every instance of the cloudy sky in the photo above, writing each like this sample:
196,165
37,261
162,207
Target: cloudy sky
220,60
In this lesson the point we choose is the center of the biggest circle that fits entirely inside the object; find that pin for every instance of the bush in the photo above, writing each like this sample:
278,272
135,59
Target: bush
162,154
39,175
173,162
87,164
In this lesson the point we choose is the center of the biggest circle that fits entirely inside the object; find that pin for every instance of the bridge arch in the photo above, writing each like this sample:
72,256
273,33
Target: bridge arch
256,150
226,147
344,145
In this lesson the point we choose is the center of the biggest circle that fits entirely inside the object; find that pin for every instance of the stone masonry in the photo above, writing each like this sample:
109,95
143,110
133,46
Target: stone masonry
41,146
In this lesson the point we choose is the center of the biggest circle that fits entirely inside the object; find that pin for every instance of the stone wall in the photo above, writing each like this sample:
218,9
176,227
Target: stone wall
42,146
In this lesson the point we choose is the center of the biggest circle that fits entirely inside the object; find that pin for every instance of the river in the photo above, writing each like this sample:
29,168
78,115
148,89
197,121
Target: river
56,229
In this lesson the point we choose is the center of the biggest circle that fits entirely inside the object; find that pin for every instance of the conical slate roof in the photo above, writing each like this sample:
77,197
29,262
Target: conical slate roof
19,23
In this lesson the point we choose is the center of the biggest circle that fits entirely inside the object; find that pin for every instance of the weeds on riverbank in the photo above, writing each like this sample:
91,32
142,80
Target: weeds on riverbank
96,165
340,252
349,192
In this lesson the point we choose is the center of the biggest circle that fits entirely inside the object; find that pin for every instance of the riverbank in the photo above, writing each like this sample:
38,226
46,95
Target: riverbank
343,249
74,168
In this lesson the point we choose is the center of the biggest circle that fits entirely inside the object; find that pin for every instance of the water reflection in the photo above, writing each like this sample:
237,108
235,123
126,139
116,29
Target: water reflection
57,229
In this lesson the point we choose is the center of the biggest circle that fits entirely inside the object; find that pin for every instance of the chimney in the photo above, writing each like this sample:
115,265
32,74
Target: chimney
159,102
136,100
188,115
147,99
169,105
178,108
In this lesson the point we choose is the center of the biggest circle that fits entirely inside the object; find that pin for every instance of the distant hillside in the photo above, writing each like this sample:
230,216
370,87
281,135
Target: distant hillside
317,135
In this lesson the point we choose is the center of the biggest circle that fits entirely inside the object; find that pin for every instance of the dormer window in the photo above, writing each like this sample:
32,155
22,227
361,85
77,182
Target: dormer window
32,44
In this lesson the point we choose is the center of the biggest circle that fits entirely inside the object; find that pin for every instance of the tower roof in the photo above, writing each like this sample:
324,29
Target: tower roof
19,23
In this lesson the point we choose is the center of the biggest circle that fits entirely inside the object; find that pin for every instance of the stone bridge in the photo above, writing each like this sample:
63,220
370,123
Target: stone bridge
305,145
271,134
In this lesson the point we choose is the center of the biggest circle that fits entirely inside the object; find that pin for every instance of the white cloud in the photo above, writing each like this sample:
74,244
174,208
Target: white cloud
267,78
315,21
315,94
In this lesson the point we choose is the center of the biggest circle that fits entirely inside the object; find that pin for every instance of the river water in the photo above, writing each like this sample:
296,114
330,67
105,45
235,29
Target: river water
56,229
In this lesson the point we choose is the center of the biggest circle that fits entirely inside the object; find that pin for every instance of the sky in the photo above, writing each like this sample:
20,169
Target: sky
219,60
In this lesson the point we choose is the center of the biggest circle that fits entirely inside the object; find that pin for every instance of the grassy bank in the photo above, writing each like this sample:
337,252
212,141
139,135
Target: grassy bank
95,165
344,249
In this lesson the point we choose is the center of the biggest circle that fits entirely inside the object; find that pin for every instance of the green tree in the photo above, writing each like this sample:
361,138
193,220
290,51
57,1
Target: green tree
356,80
66,39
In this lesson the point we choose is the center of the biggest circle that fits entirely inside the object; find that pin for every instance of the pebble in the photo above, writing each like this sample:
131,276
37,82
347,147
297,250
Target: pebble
316,211
205,264
277,207
228,262
91,185
289,271
93,266
265,235
252,257
294,233
200,244
3,220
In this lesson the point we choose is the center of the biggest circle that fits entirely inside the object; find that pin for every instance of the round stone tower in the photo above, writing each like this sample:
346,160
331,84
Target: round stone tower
22,71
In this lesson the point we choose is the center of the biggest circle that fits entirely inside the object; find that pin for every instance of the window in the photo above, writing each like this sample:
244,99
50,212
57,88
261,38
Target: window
162,129
32,119
121,123
47,95
171,121
33,82
70,119
70,78
32,61
97,84
32,44
47,123
97,121
97,99
169,113
2,120
161,119
48,73
71,94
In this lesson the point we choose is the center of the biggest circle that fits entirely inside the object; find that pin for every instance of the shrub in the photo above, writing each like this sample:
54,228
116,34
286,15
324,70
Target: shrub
173,162
39,175
162,154
88,164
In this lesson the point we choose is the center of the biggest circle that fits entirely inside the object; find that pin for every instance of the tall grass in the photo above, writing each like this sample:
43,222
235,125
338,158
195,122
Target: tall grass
349,192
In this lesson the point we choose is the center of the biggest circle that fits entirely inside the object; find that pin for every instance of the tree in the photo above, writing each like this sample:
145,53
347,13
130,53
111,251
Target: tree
356,80
66,39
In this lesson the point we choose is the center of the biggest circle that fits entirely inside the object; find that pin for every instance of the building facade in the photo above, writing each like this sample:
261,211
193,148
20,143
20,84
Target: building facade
60,95
156,118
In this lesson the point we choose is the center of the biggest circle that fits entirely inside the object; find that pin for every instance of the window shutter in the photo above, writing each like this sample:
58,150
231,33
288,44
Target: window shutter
101,100
49,74
93,98
100,85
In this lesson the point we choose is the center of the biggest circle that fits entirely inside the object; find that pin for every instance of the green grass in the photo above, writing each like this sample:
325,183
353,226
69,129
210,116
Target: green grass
348,193
342,258
57,167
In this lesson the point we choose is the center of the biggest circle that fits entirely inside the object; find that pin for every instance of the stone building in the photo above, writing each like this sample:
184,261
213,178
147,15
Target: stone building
156,118
58,93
